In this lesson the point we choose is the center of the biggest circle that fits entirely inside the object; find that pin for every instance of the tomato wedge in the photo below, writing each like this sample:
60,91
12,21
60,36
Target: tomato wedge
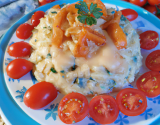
149,39
130,14
149,83
131,102
153,61
117,35
73,108
103,109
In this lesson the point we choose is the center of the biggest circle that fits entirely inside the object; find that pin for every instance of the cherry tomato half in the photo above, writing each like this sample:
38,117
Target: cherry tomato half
103,109
43,2
35,19
154,2
24,31
149,39
131,102
18,68
153,61
138,2
149,83
130,14
19,49
73,108
40,95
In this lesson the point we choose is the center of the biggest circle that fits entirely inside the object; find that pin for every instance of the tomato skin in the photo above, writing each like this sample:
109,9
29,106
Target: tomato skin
158,16
73,117
149,39
130,14
126,0
138,2
24,31
35,19
151,8
148,80
154,2
40,95
18,68
43,2
19,49
153,61
133,93
97,111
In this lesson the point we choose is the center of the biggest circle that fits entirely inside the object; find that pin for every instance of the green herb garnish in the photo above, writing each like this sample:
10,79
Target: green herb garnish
35,40
85,13
44,27
48,55
54,12
53,70
62,71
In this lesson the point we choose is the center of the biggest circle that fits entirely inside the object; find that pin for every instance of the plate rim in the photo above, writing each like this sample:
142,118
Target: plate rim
5,96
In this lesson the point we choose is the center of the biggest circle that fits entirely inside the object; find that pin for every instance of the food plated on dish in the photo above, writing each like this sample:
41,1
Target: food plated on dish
88,51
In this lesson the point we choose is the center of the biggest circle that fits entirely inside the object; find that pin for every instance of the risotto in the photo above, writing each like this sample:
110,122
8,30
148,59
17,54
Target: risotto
103,68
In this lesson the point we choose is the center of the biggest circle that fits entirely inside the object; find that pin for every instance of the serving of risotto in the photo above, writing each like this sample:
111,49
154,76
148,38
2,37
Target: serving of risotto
76,57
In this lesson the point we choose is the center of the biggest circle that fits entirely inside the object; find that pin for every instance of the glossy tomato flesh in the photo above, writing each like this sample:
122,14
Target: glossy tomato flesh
24,31
153,61
131,102
149,83
43,2
138,2
40,95
151,8
18,68
103,109
149,39
73,108
35,19
154,2
130,14
19,49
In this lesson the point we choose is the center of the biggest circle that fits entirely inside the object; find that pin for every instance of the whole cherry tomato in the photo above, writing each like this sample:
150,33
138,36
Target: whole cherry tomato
40,95
130,14
19,49
149,39
18,68
73,108
158,16
149,83
131,102
24,31
43,2
151,8
154,2
35,19
138,2
103,109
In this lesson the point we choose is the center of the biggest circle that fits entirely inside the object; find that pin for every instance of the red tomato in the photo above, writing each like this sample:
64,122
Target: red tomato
138,2
158,16
131,102
126,0
24,31
18,68
35,19
40,95
153,61
73,108
103,109
130,14
19,49
149,39
154,2
149,83
43,2
151,8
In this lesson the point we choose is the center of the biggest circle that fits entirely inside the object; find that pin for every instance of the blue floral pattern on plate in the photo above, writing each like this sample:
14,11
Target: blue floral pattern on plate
122,119
21,92
146,113
52,112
